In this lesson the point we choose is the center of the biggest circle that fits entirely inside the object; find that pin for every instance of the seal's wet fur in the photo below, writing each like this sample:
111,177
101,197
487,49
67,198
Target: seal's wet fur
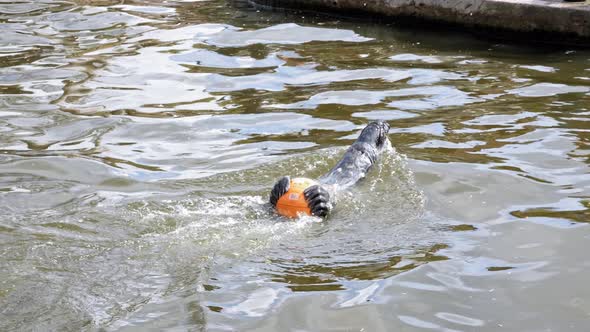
353,166
359,157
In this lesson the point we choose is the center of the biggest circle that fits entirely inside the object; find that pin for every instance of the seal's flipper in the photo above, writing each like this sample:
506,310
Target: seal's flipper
279,189
318,200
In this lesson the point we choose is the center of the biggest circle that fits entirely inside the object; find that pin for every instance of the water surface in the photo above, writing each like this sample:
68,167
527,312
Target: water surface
139,140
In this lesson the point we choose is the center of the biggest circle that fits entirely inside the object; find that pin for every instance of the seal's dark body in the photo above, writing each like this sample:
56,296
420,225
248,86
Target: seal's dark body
353,166
359,157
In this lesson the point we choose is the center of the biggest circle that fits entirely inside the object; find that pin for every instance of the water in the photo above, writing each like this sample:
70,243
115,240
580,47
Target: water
139,141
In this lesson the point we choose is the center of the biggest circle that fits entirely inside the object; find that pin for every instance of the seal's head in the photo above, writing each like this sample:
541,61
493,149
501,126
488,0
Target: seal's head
299,196
375,134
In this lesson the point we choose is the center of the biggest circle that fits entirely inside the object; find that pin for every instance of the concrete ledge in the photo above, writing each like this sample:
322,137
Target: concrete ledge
557,20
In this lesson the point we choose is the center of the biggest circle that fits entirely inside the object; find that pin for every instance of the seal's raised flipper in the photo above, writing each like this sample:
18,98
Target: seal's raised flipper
318,200
279,189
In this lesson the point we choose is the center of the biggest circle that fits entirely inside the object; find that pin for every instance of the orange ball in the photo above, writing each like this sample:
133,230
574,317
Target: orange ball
293,204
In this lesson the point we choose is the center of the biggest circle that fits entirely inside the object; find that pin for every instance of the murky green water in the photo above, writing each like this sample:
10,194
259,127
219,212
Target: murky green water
139,140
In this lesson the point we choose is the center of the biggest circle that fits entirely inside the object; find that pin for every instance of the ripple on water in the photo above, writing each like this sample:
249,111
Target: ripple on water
548,89
407,57
227,139
92,18
228,36
384,115
544,69
138,142
208,58
439,96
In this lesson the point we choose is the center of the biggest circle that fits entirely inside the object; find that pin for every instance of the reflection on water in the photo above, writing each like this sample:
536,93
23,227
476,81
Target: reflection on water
138,142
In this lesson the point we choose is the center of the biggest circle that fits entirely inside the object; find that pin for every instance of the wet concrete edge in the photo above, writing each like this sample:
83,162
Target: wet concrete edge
552,21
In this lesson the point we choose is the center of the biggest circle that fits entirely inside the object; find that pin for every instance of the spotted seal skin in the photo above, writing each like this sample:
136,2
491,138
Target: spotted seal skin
354,165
